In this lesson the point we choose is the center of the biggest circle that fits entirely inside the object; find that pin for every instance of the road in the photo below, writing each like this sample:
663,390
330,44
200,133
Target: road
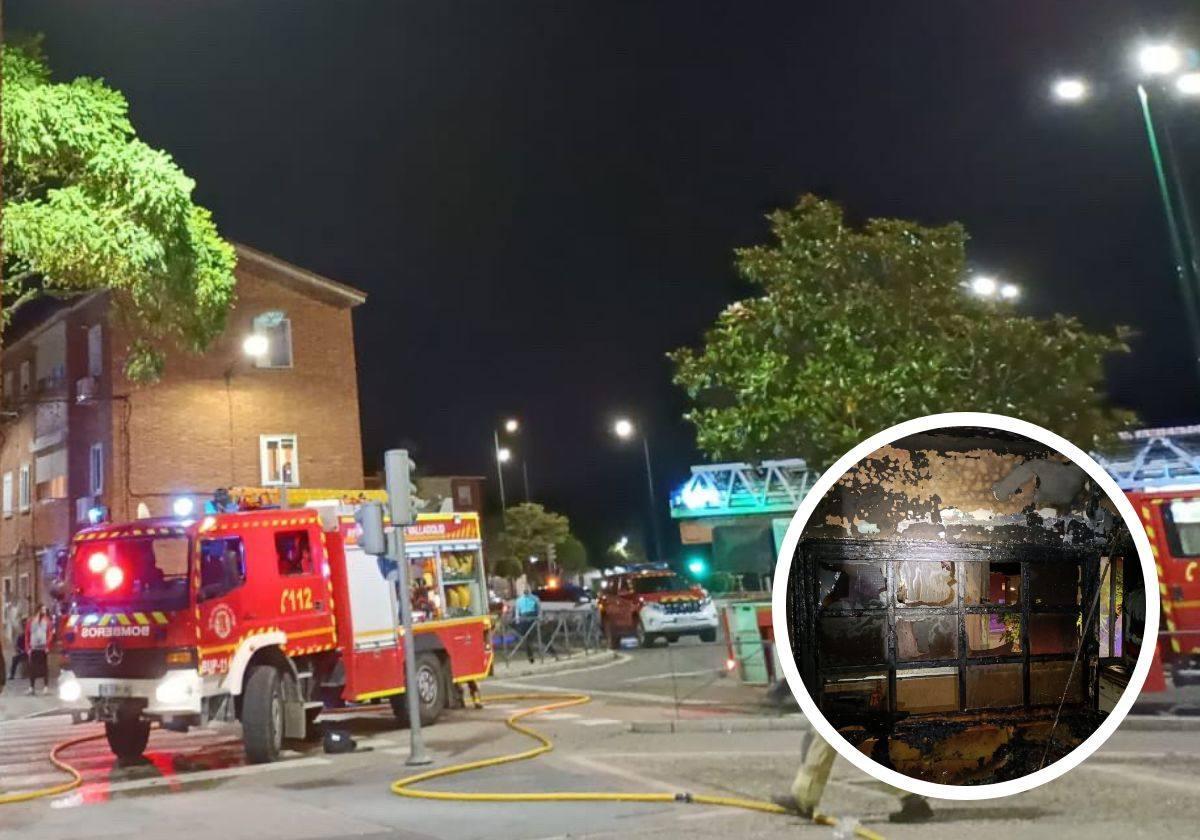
1143,784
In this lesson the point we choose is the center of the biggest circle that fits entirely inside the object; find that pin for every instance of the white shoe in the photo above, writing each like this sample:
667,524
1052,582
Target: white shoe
30,691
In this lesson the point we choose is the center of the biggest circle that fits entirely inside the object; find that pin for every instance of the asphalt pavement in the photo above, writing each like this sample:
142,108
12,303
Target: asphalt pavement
1142,784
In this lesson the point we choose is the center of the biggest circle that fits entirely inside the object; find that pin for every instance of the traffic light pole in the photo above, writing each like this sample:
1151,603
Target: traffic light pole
396,468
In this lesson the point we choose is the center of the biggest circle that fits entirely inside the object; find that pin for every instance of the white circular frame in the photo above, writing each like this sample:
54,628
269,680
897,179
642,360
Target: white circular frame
788,550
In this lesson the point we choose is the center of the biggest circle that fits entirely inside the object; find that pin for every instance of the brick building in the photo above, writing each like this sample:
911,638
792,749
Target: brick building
76,433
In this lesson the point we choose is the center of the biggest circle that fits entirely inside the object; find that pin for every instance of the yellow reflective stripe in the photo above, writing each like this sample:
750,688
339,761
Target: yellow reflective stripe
159,617
123,619
105,619
140,618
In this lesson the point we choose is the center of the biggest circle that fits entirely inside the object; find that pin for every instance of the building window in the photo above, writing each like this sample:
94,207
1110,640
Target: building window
8,493
95,349
8,386
25,368
96,469
6,593
24,593
277,330
279,459
293,553
25,488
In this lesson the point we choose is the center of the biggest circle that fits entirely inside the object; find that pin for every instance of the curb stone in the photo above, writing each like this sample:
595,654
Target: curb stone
789,723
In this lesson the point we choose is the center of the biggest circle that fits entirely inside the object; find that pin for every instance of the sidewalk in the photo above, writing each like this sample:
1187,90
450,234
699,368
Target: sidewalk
522,667
15,701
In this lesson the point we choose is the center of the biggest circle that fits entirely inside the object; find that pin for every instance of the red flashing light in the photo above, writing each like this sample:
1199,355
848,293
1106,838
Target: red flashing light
97,563
552,583
113,577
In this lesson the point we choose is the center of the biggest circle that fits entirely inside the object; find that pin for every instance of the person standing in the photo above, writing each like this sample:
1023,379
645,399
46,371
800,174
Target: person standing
16,632
37,643
528,609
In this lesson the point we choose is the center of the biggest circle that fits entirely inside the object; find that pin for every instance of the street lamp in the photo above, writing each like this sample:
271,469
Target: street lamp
256,345
624,429
503,455
989,288
511,425
1162,66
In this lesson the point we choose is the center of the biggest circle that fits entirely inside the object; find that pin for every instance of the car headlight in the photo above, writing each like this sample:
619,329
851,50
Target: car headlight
173,690
69,690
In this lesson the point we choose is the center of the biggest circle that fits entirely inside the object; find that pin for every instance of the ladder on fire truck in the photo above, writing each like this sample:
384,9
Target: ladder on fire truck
733,489
1154,458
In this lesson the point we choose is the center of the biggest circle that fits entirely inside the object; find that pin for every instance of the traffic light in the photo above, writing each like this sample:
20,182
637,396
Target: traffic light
369,517
697,567
398,469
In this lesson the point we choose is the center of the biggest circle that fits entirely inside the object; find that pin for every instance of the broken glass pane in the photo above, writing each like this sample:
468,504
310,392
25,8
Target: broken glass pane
1054,584
991,583
1053,633
925,583
993,634
851,586
935,637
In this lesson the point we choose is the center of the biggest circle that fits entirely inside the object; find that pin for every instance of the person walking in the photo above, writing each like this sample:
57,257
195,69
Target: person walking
528,609
16,632
37,643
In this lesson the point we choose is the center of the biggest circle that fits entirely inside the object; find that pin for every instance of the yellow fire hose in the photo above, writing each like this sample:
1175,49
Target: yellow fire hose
404,786
76,777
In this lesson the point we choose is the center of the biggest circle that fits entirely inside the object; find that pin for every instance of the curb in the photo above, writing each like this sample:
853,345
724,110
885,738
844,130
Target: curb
789,723
1160,723
518,671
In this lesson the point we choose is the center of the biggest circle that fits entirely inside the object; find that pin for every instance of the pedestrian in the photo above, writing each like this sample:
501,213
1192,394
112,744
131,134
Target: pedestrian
37,643
813,775
16,631
528,610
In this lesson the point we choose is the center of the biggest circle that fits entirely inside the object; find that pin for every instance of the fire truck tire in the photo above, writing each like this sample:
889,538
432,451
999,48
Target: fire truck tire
431,690
708,635
127,738
262,714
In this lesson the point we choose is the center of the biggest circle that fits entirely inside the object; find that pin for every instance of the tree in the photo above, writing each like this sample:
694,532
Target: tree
88,206
854,330
571,555
529,530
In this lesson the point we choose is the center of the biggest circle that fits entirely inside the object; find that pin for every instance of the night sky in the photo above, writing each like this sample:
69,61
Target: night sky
543,198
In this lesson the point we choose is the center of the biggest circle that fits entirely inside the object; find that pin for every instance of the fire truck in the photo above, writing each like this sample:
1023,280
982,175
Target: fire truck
1159,470
264,617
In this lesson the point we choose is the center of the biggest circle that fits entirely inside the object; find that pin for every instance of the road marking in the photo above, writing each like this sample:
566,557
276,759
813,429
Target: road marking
559,716
599,722
1125,772
76,798
707,672
620,695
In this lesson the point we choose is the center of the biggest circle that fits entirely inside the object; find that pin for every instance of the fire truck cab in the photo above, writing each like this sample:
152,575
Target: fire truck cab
255,616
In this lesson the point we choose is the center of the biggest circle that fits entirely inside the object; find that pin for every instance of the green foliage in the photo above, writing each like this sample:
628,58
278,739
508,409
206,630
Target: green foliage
857,329
529,530
88,206
571,555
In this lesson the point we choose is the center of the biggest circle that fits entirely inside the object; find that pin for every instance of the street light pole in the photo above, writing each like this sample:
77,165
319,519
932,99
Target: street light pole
499,471
650,488
1186,287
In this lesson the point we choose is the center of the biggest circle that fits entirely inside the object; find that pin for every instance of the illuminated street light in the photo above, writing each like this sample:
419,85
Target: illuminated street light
256,345
503,454
1010,291
511,425
1070,90
983,285
1159,59
623,428
1188,84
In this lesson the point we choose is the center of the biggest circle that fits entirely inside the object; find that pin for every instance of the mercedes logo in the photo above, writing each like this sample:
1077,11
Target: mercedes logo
113,654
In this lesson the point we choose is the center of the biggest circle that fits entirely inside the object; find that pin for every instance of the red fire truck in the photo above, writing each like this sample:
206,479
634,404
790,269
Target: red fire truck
1159,469
262,617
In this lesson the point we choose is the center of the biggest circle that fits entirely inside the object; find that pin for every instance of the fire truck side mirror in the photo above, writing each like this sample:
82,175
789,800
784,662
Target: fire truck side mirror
370,521
397,470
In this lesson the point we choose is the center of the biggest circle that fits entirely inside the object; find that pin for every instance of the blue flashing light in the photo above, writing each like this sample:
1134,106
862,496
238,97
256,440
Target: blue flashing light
97,514
697,567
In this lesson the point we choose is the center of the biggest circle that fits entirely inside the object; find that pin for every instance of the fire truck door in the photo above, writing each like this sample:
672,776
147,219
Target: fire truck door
219,600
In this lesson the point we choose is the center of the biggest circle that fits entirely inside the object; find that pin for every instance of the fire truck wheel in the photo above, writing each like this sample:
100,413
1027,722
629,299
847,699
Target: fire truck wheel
708,635
127,738
262,714
431,690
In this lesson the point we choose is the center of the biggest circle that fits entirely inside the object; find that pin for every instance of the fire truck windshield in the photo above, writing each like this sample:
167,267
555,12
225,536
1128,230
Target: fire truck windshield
659,583
131,573
1182,521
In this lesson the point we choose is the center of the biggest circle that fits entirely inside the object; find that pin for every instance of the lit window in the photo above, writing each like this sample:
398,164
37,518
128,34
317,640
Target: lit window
277,329
279,459
96,469
25,488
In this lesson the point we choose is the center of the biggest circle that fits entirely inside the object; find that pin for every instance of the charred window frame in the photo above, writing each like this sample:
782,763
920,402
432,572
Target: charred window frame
1043,624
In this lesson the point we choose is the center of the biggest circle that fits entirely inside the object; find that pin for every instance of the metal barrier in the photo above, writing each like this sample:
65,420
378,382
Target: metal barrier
556,632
